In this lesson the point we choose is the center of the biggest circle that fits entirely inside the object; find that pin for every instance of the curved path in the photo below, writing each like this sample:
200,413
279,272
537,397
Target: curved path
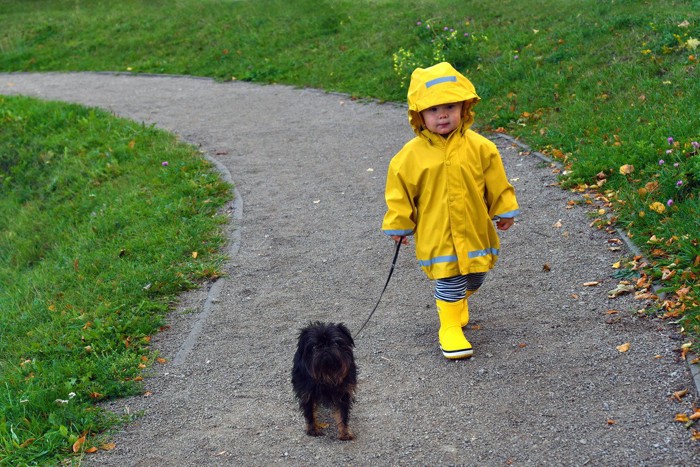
547,385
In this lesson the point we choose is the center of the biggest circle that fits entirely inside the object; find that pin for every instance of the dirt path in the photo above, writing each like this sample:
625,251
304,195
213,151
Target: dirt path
547,385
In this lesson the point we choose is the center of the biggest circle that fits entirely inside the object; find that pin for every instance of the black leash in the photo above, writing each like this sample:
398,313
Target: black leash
391,271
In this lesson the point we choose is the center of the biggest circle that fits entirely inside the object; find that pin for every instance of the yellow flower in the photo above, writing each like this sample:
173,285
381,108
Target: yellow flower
692,43
658,207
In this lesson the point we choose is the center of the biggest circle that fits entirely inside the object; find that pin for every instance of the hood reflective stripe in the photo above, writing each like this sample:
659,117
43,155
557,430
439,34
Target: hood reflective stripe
442,79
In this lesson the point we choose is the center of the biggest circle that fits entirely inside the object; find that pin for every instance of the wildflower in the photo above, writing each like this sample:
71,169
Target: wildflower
695,144
670,140
676,164
418,23
679,183
669,151
466,34
164,163
662,162
445,28
669,203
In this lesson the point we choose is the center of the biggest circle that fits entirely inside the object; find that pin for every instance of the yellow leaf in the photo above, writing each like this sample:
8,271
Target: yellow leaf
657,207
681,417
626,169
623,347
692,43
108,446
616,265
195,254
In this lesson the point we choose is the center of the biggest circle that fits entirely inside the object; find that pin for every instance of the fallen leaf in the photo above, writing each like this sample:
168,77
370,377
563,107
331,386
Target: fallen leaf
681,417
546,267
695,415
678,395
108,446
78,444
611,421
620,289
616,265
623,347
626,169
657,207
557,224
91,450
591,283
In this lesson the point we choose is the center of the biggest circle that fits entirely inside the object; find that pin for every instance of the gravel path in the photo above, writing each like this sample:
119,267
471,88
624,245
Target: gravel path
546,386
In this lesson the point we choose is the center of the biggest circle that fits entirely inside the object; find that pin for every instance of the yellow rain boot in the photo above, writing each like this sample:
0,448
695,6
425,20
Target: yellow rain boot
464,316
452,341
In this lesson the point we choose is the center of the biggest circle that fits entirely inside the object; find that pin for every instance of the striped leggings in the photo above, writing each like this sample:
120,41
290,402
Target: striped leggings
453,289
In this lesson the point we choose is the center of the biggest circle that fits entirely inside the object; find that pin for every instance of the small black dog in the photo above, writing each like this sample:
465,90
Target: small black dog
325,373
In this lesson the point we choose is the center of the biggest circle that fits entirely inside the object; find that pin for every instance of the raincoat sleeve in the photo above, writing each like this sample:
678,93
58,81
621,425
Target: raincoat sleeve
400,217
500,195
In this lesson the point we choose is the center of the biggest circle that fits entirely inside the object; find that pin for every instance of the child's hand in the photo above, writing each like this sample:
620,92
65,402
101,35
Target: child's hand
505,223
399,238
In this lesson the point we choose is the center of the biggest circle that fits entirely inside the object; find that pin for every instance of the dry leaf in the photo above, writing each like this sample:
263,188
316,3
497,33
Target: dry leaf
91,450
678,395
626,169
108,446
546,267
624,347
681,417
591,283
611,421
78,444
195,254
557,224
620,289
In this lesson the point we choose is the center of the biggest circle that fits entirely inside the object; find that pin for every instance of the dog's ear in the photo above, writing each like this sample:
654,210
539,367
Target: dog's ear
346,332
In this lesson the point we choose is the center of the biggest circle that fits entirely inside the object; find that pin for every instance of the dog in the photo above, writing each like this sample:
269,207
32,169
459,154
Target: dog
324,373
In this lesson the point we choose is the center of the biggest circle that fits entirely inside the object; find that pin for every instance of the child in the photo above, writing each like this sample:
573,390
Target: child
445,186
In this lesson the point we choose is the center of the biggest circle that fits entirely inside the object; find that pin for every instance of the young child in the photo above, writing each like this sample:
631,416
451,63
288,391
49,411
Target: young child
444,187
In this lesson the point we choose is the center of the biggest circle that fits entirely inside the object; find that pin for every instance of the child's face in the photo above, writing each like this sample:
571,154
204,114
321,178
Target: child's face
443,119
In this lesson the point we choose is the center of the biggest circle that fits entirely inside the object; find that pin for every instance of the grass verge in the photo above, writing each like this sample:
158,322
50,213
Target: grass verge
102,223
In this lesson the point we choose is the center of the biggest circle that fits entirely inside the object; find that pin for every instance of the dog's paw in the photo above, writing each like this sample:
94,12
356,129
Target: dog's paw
314,431
346,436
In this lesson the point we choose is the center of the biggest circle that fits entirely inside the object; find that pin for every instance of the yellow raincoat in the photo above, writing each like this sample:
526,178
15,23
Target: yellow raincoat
446,191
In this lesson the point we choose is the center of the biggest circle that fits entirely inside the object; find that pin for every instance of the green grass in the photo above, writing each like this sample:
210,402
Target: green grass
97,236
597,85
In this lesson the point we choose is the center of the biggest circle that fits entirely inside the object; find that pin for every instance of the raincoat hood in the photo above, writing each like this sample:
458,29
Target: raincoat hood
436,85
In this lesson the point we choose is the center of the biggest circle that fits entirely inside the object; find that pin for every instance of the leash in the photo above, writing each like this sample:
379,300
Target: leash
391,271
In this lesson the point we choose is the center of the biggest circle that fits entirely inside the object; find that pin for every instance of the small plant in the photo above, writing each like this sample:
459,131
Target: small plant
436,42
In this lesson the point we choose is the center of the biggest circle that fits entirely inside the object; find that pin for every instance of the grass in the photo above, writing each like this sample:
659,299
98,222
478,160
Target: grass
599,86
98,234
